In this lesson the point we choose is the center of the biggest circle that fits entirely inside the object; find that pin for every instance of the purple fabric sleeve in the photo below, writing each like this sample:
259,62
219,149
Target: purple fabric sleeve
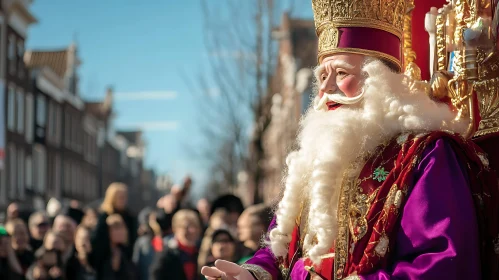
438,236
266,260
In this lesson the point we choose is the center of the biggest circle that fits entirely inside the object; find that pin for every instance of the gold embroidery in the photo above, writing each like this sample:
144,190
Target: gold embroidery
258,272
357,213
390,198
382,246
349,185
398,199
329,38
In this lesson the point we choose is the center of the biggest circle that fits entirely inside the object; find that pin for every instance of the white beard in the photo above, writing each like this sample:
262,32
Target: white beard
330,141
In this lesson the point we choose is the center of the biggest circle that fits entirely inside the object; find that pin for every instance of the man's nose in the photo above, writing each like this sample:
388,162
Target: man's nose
328,85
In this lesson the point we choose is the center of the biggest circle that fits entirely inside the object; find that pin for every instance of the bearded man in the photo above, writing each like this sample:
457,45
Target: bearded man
382,186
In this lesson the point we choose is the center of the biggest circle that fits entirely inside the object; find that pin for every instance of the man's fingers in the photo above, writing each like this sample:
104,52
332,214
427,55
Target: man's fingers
229,268
211,272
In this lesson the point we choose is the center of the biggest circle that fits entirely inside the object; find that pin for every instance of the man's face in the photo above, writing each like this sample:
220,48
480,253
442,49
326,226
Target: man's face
39,227
188,232
53,241
223,247
20,237
66,228
13,211
120,200
249,228
340,75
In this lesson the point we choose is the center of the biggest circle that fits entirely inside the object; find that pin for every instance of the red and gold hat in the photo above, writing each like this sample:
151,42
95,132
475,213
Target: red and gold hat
367,27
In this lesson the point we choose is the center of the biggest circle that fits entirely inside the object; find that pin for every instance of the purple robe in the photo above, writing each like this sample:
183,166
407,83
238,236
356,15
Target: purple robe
438,233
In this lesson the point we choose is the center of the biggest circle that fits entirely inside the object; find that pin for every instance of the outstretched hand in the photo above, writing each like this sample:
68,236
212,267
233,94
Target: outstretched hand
226,271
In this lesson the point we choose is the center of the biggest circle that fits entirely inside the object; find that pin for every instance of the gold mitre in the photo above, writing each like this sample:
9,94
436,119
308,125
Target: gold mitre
368,27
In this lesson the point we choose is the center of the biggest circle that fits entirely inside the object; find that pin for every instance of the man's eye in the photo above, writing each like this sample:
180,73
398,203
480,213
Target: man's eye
341,73
323,77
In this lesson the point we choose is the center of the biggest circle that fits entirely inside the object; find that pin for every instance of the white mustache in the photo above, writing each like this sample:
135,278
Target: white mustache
337,97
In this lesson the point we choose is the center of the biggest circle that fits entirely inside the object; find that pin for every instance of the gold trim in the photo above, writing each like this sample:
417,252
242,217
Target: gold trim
258,272
360,22
363,52
348,187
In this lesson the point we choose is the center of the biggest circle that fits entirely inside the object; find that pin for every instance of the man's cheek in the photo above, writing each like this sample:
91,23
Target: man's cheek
349,86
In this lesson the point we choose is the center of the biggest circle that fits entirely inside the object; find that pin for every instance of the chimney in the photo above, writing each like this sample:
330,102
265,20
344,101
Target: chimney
108,100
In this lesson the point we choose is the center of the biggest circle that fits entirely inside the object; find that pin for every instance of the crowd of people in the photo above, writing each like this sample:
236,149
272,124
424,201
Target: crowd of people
169,241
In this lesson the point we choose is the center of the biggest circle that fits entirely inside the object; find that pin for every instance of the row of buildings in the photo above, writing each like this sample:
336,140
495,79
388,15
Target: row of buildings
52,142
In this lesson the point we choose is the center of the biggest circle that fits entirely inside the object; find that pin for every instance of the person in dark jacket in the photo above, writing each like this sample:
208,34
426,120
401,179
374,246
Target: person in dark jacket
48,266
18,231
117,266
38,224
115,202
79,268
178,260
9,265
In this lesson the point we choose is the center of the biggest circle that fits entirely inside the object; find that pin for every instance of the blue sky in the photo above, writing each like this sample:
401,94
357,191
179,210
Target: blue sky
142,48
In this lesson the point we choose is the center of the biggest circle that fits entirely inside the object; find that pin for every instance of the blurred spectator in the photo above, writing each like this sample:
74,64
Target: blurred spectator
178,260
203,207
73,210
143,251
54,241
169,207
117,266
234,207
47,266
171,203
115,202
82,269
65,226
223,246
251,226
90,218
18,231
38,224
217,221
12,211
9,265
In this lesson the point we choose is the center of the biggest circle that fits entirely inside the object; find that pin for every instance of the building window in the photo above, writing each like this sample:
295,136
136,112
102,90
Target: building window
73,179
57,175
11,107
40,164
20,54
29,173
12,54
58,125
67,177
41,111
20,111
20,173
67,129
29,118
50,125
11,153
